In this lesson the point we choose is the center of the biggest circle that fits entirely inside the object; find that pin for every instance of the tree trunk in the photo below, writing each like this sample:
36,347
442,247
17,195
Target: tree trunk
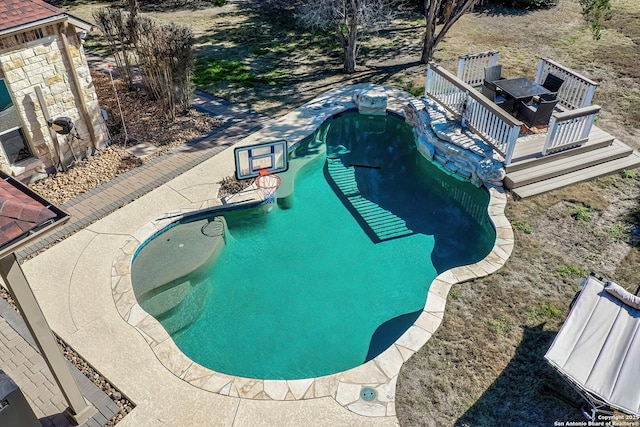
351,47
350,56
429,40
134,9
427,47
453,10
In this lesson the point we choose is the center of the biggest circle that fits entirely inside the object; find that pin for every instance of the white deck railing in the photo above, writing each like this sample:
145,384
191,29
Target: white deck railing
471,67
490,122
576,91
569,128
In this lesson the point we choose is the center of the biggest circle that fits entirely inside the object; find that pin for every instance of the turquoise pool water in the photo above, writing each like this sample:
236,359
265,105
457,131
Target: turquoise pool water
332,280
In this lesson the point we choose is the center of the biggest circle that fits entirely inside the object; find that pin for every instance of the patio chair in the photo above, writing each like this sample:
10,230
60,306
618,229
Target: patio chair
548,96
537,114
501,101
488,92
552,82
545,97
507,105
493,73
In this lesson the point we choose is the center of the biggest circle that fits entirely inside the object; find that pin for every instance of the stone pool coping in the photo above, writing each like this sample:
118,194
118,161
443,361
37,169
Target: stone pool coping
346,387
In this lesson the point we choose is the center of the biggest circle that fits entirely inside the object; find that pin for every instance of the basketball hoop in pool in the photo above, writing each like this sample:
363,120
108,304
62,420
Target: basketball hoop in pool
267,185
262,161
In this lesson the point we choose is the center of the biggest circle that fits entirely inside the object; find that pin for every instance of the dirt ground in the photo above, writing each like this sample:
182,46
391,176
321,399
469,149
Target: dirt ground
484,366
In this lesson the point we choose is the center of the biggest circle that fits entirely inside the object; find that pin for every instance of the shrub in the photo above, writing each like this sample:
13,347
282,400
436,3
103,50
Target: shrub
163,52
522,226
114,25
581,214
627,174
230,185
570,271
499,326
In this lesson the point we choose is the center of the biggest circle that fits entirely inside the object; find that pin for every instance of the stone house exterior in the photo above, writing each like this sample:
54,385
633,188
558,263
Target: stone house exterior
42,64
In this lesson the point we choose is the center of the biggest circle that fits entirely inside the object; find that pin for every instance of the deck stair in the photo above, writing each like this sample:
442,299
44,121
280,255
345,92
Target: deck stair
530,173
380,224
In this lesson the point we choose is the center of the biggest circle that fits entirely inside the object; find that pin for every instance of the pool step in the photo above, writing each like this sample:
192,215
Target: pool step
185,314
380,223
166,300
177,306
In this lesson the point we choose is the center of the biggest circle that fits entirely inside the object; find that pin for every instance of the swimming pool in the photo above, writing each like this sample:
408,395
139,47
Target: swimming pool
334,276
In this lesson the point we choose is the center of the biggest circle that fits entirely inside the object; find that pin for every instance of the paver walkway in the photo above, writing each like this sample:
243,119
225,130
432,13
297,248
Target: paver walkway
27,369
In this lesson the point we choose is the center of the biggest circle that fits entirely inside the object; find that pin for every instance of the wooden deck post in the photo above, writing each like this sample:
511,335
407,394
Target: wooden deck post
588,96
513,137
429,81
540,71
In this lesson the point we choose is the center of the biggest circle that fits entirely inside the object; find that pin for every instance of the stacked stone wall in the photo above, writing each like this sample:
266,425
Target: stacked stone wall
42,63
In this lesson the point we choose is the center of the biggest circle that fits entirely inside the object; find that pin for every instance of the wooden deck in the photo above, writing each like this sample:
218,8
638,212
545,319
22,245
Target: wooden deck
531,173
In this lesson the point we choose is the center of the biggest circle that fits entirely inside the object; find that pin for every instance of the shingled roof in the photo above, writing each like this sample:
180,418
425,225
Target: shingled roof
16,13
23,212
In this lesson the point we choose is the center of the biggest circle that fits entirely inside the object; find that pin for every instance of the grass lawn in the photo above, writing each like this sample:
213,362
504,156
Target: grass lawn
484,366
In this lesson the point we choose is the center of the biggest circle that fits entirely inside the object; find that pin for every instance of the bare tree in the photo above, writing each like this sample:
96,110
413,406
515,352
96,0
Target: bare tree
349,18
132,22
442,13
164,54
113,23
134,9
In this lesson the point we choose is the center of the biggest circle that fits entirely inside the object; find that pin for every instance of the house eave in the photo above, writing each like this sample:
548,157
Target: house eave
76,22
80,23
32,25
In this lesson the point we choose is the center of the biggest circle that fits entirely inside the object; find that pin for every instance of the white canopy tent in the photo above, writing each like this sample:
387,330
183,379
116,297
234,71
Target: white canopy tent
598,348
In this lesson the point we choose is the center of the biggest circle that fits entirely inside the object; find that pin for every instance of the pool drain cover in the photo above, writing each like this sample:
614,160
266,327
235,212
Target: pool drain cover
368,394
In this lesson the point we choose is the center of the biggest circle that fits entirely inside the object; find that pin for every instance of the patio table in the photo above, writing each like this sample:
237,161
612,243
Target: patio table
521,89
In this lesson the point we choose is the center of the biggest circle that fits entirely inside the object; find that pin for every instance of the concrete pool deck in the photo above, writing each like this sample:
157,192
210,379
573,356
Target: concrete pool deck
81,284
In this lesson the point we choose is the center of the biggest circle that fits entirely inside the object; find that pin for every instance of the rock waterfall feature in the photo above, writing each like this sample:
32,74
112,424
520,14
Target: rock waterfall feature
441,138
